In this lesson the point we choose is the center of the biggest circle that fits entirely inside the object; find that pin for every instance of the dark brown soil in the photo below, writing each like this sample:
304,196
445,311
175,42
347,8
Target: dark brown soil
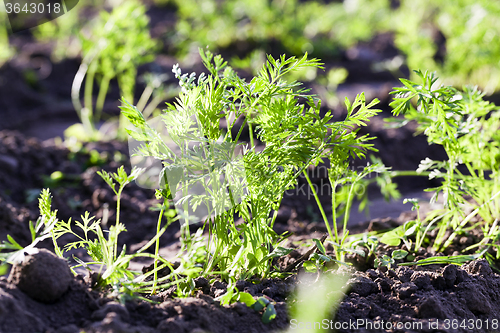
415,300
423,300
80,308
41,275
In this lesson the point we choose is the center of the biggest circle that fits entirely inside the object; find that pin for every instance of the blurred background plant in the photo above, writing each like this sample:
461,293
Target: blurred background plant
63,34
314,27
113,46
456,39
114,38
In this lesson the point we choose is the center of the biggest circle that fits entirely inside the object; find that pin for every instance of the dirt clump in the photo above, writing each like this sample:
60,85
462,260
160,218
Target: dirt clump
42,276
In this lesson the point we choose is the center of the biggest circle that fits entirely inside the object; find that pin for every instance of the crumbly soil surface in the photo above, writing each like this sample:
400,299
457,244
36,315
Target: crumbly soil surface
414,300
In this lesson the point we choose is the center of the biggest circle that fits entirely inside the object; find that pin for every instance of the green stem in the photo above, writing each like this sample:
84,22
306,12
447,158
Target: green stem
57,249
141,104
209,258
115,249
241,130
103,90
157,249
334,219
118,195
276,212
466,220
347,212
398,173
89,85
320,206
148,110
250,131
420,239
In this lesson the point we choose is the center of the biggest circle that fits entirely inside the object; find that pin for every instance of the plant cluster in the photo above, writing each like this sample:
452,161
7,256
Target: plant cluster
234,187
432,35
314,27
281,116
116,45
63,32
113,40
294,136
467,127
429,34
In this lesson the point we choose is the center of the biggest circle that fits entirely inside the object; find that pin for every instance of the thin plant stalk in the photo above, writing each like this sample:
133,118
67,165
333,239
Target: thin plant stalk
320,206
103,90
89,85
157,250
148,110
347,211
143,100
334,219
467,219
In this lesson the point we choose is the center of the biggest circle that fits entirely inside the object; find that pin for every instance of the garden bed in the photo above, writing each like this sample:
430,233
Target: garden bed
426,295
402,271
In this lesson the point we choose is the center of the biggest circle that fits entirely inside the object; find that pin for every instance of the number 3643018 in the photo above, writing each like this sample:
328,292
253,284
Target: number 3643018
32,8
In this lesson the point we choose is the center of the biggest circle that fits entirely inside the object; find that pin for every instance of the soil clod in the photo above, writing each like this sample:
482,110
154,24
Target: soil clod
42,276
362,286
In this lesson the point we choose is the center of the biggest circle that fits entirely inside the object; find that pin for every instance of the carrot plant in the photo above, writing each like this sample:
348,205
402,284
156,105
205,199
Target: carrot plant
311,26
467,127
12,251
281,117
211,176
432,35
114,46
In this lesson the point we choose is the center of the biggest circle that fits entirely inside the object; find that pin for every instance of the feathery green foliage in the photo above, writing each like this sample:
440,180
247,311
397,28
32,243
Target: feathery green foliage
294,135
466,126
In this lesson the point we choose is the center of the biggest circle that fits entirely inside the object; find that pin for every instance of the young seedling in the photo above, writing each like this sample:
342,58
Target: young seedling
44,228
390,262
368,242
